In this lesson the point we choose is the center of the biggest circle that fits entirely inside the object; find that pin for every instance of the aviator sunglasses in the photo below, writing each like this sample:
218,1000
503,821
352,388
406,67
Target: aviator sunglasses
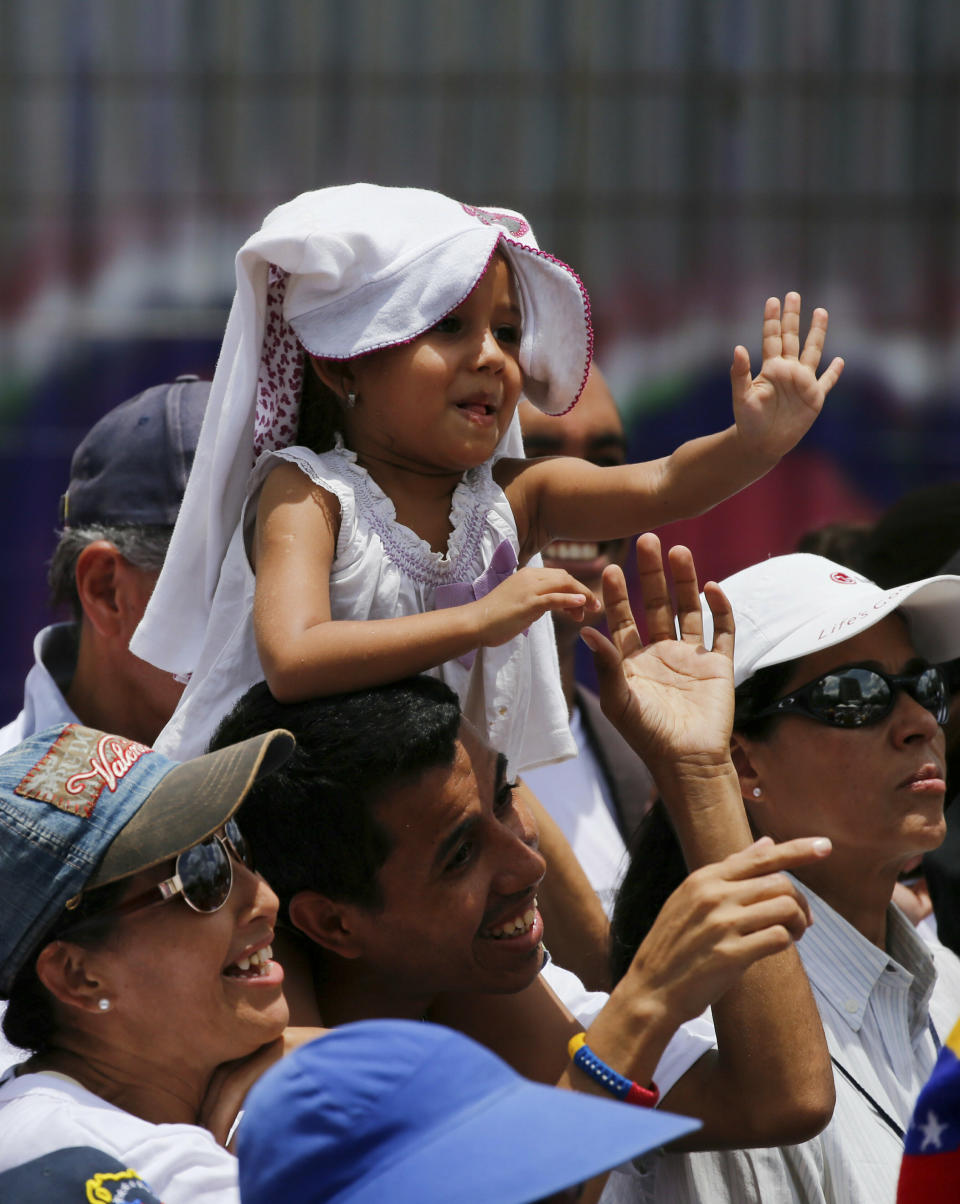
203,874
859,695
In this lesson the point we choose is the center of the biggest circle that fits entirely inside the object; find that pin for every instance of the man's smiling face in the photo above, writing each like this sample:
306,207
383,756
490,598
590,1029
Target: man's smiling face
459,886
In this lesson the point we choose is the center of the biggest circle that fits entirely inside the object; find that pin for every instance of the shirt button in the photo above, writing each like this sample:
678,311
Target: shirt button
852,1006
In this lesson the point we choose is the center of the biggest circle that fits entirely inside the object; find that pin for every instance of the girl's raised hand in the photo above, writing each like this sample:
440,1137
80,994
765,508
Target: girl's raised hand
671,699
525,596
774,409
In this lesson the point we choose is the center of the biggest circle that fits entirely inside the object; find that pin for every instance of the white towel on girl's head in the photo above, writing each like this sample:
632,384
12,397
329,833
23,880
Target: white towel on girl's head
344,270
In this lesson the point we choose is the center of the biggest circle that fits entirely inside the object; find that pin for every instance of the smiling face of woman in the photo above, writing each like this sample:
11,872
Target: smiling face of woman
877,791
183,993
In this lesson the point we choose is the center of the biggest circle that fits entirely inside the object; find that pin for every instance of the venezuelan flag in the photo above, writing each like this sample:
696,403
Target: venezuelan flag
931,1161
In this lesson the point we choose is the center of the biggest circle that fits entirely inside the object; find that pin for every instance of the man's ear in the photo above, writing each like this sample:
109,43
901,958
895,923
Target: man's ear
64,969
112,591
96,580
327,923
337,375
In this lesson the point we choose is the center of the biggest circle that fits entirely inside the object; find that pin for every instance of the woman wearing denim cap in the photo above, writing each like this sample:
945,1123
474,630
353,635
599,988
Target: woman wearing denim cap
135,953
838,729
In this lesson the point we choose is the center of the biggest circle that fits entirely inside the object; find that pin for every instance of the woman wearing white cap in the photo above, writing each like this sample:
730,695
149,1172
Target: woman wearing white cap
838,730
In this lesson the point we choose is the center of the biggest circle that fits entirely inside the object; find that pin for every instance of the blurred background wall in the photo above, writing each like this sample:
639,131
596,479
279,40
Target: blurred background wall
689,157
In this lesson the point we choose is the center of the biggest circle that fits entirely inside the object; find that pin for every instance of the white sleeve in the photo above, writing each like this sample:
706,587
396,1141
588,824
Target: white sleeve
690,1042
571,992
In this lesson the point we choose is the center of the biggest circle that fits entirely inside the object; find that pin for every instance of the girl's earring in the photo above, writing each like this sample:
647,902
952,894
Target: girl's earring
351,400
103,1005
757,792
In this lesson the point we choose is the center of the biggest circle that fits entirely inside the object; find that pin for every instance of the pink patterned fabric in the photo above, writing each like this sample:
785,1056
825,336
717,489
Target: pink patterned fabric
281,374
511,222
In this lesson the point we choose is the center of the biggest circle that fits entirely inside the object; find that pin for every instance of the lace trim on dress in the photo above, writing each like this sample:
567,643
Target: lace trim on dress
472,500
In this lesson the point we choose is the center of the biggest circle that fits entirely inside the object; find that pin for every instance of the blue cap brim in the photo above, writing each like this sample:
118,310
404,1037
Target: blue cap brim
416,1114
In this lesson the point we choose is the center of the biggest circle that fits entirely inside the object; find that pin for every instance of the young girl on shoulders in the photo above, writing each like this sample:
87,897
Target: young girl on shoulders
401,539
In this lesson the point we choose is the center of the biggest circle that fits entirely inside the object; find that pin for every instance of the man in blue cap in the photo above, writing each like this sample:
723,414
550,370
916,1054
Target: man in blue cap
127,478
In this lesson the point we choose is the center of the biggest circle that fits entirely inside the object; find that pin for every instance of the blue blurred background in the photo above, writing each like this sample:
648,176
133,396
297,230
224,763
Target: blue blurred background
688,157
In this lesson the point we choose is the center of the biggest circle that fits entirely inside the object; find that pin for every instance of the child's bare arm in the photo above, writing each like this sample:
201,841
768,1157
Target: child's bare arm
772,411
306,654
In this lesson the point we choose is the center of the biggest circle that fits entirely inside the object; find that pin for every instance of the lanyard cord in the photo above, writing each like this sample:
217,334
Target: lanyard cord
881,1112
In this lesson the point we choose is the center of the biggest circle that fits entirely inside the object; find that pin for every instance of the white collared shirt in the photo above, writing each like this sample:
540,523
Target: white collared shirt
876,1010
54,655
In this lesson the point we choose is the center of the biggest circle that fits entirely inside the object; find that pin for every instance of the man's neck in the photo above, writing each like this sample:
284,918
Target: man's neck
356,996
328,990
102,695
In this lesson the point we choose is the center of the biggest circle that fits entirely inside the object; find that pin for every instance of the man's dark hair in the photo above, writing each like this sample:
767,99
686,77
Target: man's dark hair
311,824
143,546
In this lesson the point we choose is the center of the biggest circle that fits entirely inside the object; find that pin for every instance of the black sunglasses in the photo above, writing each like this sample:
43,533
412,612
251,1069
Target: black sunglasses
858,696
203,874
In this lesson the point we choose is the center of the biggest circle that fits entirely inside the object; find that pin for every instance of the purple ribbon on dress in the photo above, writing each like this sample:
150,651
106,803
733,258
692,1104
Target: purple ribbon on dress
502,564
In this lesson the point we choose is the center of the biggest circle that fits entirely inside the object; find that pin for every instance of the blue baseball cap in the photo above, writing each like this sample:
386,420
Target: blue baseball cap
412,1113
80,808
132,465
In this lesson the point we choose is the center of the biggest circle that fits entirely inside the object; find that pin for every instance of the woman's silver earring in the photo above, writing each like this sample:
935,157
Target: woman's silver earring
103,1005
351,400
757,792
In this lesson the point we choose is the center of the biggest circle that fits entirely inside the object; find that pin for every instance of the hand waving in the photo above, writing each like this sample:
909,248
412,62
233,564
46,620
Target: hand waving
671,700
774,409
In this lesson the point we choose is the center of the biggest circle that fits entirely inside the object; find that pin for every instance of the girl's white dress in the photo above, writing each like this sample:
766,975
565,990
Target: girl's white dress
381,570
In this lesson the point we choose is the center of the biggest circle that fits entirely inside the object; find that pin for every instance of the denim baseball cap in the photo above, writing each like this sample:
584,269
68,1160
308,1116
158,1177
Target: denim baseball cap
418,1114
80,808
132,465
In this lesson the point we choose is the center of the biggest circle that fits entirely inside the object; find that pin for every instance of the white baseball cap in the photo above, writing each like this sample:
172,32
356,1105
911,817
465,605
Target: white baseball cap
790,606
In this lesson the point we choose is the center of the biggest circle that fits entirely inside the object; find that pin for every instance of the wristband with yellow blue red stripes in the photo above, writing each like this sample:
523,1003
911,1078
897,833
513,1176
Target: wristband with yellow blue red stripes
626,1089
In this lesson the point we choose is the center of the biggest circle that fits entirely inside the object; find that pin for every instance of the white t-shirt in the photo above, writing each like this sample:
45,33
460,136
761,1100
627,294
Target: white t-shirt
44,1113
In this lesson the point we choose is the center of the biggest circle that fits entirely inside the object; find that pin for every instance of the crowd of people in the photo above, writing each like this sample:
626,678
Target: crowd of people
321,873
